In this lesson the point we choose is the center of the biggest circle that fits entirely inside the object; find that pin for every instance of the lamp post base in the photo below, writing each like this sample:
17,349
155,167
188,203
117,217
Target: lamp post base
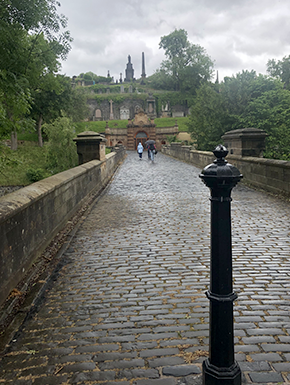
212,375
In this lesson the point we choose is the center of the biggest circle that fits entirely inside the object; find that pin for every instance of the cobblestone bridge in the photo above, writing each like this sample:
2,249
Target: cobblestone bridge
128,305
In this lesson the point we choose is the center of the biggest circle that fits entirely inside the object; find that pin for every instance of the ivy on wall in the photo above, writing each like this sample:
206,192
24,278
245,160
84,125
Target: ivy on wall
117,98
172,98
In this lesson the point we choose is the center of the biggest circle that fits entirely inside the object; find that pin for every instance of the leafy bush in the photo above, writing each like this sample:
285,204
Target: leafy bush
34,175
171,138
61,150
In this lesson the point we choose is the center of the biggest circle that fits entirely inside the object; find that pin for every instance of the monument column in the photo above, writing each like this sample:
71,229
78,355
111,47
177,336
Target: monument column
143,75
111,110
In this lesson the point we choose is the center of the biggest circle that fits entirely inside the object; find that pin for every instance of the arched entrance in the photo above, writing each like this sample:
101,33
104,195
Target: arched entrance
141,136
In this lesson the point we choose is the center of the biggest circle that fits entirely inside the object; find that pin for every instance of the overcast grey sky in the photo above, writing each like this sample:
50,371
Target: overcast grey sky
237,34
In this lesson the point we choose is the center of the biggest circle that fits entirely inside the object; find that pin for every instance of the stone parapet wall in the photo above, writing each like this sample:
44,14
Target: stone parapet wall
32,216
267,174
117,131
173,130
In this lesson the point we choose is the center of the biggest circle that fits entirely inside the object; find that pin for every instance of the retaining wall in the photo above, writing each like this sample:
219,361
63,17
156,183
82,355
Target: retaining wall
32,216
267,174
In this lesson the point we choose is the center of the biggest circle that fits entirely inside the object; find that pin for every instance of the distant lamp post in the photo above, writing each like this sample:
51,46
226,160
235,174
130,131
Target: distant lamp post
221,368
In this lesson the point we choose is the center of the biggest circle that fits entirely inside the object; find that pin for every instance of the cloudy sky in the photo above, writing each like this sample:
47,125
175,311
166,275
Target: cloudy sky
237,34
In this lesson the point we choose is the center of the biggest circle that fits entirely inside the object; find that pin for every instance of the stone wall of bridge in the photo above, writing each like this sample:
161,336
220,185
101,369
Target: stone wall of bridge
267,174
33,215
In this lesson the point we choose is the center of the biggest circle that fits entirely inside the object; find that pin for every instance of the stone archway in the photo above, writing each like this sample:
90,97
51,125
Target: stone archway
141,136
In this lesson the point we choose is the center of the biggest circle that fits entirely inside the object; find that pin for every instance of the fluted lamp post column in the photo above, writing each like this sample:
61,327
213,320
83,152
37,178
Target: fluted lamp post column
221,368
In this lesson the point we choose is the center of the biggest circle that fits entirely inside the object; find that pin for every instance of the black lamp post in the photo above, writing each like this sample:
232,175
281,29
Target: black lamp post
221,368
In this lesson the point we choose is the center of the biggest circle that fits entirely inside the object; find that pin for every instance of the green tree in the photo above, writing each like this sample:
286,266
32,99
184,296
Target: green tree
187,64
31,41
161,80
207,118
48,100
244,100
271,113
54,97
15,103
77,107
15,95
280,69
238,91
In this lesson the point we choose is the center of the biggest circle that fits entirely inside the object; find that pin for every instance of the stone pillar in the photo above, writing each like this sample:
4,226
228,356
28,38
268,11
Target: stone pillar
108,134
143,76
111,110
245,142
90,146
221,368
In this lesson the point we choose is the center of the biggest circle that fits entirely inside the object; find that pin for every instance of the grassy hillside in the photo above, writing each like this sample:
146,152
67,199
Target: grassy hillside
15,164
167,122
101,125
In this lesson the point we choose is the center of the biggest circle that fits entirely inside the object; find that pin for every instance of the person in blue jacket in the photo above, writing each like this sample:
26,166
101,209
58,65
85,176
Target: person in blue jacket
140,149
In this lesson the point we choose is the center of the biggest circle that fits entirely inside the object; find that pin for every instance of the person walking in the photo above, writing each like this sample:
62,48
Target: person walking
140,149
151,149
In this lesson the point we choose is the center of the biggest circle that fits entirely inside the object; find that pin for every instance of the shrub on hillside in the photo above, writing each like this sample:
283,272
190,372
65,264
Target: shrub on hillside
61,150
34,175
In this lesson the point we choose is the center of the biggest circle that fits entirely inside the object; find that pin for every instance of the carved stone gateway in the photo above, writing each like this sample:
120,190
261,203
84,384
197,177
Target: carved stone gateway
139,129
141,119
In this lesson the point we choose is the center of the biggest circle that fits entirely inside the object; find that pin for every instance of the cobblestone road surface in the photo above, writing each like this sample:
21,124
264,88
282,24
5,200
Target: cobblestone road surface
128,306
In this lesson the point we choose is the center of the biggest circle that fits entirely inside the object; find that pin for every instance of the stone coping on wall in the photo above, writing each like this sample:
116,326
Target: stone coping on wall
264,161
33,215
18,200
268,174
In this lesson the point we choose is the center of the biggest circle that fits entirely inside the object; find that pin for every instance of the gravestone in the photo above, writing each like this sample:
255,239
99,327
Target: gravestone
98,114
124,113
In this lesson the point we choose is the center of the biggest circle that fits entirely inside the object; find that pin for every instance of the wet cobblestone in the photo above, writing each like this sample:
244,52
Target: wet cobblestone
129,306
